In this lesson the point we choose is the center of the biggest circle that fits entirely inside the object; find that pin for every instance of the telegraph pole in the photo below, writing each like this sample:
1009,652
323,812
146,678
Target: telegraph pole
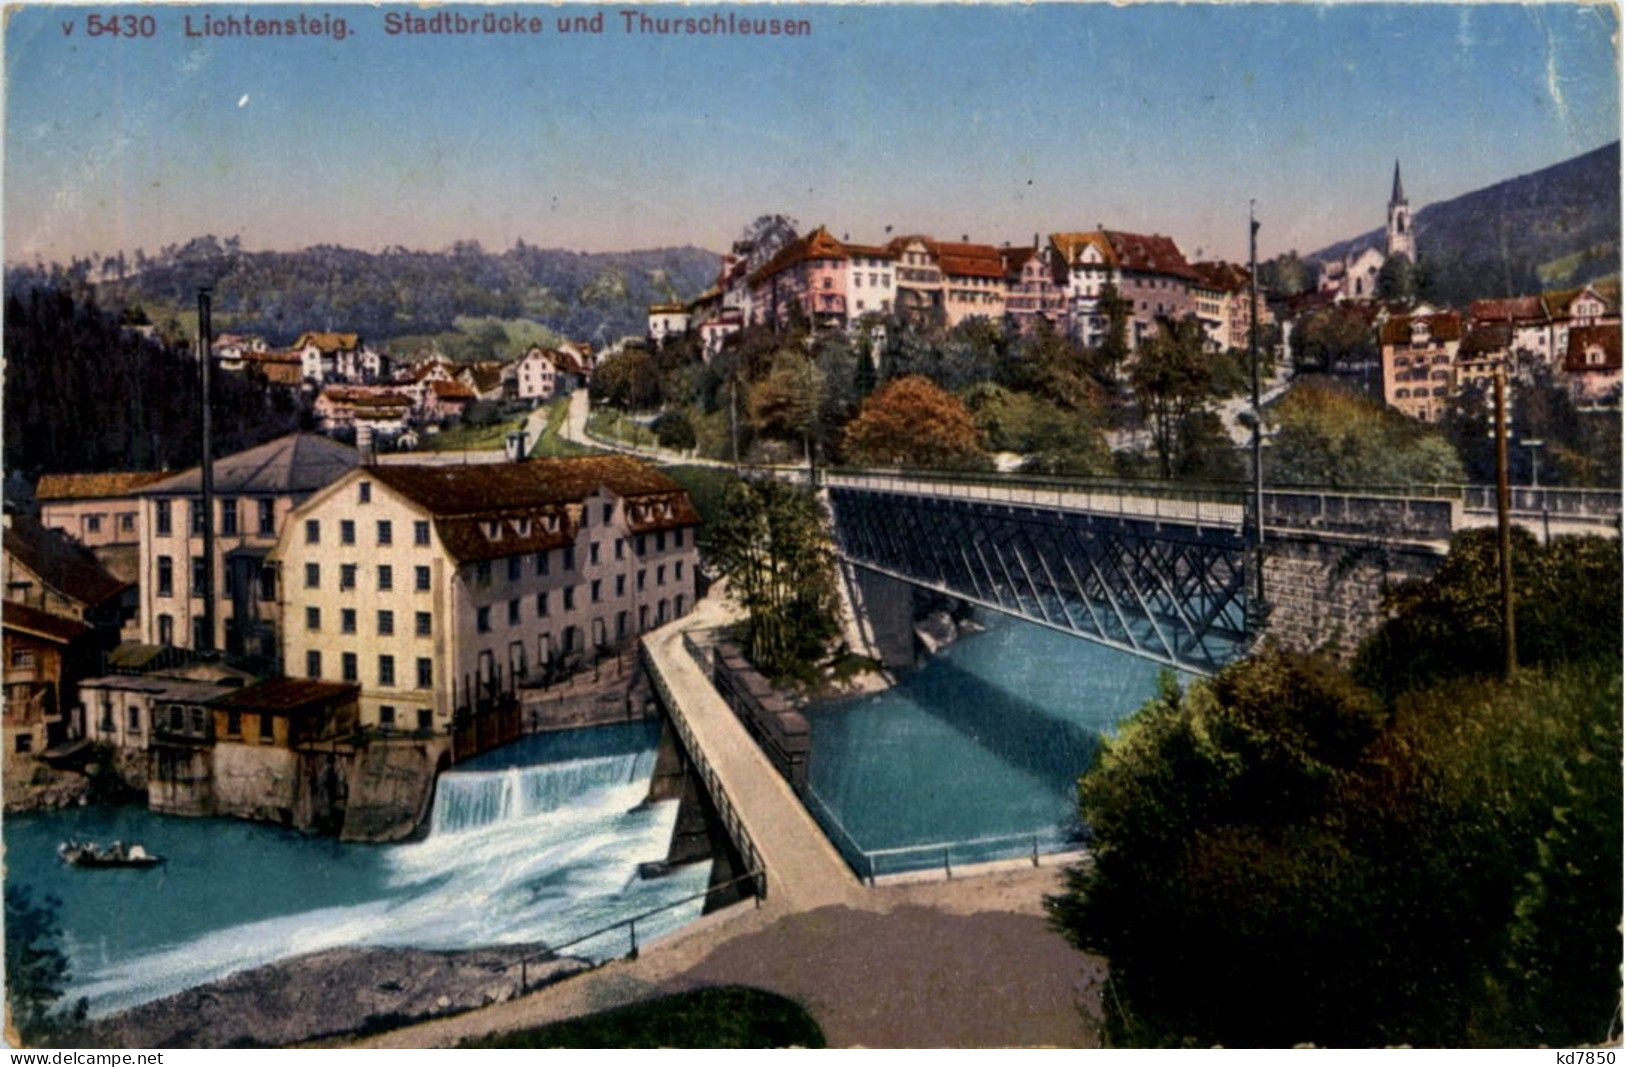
1258,415
205,342
1503,525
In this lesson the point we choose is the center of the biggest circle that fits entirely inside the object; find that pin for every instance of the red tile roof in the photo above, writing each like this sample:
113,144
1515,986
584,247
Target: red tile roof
969,260
61,563
329,342
1486,338
37,623
818,244
1016,258
536,504
1583,337
1444,326
451,390
1225,277
1070,245
94,486
287,696
1149,254
1516,309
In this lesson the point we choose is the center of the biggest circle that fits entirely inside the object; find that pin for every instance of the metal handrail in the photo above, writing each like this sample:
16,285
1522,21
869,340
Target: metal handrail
757,878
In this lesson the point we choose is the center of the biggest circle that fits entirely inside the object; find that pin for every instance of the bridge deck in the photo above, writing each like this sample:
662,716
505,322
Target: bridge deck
803,869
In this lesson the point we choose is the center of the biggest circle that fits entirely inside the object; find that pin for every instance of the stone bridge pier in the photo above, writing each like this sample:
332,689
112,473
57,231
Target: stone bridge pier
1325,594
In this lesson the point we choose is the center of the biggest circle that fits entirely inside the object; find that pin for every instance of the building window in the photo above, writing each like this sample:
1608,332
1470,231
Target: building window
228,517
313,669
660,575
677,538
386,578
514,565
386,624
620,585
420,532
386,670
386,716
482,620
609,513
541,564
267,516
677,571
679,603
642,574
166,629
423,624
313,575
350,670
313,618
421,575
347,620
267,729
195,508
313,531
569,598
162,518
234,723
482,572
541,605
166,576
93,523
425,718
660,540
570,558
364,492
620,548
347,576
597,590
347,531
592,552
513,612
386,532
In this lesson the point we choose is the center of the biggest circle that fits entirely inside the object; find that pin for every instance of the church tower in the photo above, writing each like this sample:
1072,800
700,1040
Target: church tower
1401,239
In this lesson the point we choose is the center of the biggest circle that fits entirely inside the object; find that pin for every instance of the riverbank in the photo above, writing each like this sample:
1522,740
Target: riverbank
971,962
343,991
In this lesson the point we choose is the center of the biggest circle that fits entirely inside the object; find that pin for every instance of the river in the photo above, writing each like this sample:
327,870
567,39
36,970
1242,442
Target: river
977,751
535,842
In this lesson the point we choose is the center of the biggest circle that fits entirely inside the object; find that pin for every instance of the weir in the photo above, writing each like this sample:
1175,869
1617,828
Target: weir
467,800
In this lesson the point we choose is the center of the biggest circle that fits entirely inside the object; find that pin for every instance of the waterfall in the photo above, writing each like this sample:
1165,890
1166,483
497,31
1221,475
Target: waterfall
470,800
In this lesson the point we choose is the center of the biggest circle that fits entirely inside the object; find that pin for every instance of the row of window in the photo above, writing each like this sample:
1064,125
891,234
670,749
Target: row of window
385,574
265,513
422,622
126,522
350,668
165,579
384,532
595,594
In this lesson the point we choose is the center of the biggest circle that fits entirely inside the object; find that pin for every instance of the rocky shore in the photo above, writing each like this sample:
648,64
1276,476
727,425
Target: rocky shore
338,991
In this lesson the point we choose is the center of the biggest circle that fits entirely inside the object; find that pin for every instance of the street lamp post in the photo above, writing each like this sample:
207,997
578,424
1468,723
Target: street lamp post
1258,417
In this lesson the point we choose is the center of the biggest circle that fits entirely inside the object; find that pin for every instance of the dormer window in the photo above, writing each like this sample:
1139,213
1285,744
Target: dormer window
523,527
1595,356
493,531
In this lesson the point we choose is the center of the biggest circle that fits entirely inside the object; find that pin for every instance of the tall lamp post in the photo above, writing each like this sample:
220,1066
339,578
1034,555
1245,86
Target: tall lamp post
1258,415
1503,522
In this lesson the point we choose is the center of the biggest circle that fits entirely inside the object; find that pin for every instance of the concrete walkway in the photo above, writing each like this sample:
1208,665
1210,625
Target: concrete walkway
803,869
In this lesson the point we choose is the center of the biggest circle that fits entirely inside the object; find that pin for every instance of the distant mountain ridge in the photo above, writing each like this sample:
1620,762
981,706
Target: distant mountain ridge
1550,229
593,296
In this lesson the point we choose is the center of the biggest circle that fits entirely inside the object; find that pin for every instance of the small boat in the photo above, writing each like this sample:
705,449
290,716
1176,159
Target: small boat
89,854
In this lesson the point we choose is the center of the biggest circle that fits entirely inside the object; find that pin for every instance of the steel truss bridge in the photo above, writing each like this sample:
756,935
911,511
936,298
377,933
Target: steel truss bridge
1161,572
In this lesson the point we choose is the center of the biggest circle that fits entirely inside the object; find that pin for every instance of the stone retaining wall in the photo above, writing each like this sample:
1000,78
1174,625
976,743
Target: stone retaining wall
1326,594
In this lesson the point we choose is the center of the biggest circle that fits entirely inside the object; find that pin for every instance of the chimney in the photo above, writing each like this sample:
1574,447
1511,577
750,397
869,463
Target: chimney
364,442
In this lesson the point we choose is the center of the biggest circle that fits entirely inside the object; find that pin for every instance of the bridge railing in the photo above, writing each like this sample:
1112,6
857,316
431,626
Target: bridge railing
870,864
1556,501
738,832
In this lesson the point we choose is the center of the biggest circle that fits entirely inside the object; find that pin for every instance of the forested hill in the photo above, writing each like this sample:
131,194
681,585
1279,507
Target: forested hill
597,296
1554,228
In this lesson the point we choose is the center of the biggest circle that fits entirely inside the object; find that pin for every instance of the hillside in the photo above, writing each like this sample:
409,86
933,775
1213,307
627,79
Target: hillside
597,296
1554,228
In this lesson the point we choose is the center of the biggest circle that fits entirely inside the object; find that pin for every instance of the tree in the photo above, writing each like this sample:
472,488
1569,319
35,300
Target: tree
909,422
1114,350
1054,440
1336,340
1286,275
787,404
1327,434
770,542
1567,597
761,240
674,430
37,970
628,380
1398,279
1171,380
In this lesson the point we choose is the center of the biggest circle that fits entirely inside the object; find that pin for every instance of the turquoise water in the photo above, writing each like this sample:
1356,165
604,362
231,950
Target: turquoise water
537,841
978,750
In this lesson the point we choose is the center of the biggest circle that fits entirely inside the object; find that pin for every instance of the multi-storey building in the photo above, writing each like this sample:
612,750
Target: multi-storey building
1148,270
811,274
871,283
254,492
920,295
1521,323
972,281
1031,294
1592,365
440,590
1419,363
1221,294
326,356
534,375
1085,264
667,320
100,511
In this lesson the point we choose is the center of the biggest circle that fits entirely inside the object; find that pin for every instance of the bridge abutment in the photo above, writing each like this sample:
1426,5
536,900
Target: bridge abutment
1326,594
880,616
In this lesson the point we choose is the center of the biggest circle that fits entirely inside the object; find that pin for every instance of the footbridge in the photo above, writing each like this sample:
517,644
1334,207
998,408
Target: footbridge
1160,571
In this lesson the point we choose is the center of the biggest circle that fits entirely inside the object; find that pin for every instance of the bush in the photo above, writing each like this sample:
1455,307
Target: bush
673,430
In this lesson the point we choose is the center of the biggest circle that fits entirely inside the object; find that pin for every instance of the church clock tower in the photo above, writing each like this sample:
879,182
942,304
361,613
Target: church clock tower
1401,239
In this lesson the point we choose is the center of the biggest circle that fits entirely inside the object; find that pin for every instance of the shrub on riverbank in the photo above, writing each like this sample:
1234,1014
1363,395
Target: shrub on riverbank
1277,861
722,1017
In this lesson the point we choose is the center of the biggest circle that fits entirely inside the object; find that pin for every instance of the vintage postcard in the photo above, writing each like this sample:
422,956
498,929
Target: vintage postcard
812,525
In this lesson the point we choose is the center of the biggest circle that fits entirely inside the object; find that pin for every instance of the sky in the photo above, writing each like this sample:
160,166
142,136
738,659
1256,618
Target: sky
994,122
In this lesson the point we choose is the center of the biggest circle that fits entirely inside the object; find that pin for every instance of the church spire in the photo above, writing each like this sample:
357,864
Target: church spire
1399,190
